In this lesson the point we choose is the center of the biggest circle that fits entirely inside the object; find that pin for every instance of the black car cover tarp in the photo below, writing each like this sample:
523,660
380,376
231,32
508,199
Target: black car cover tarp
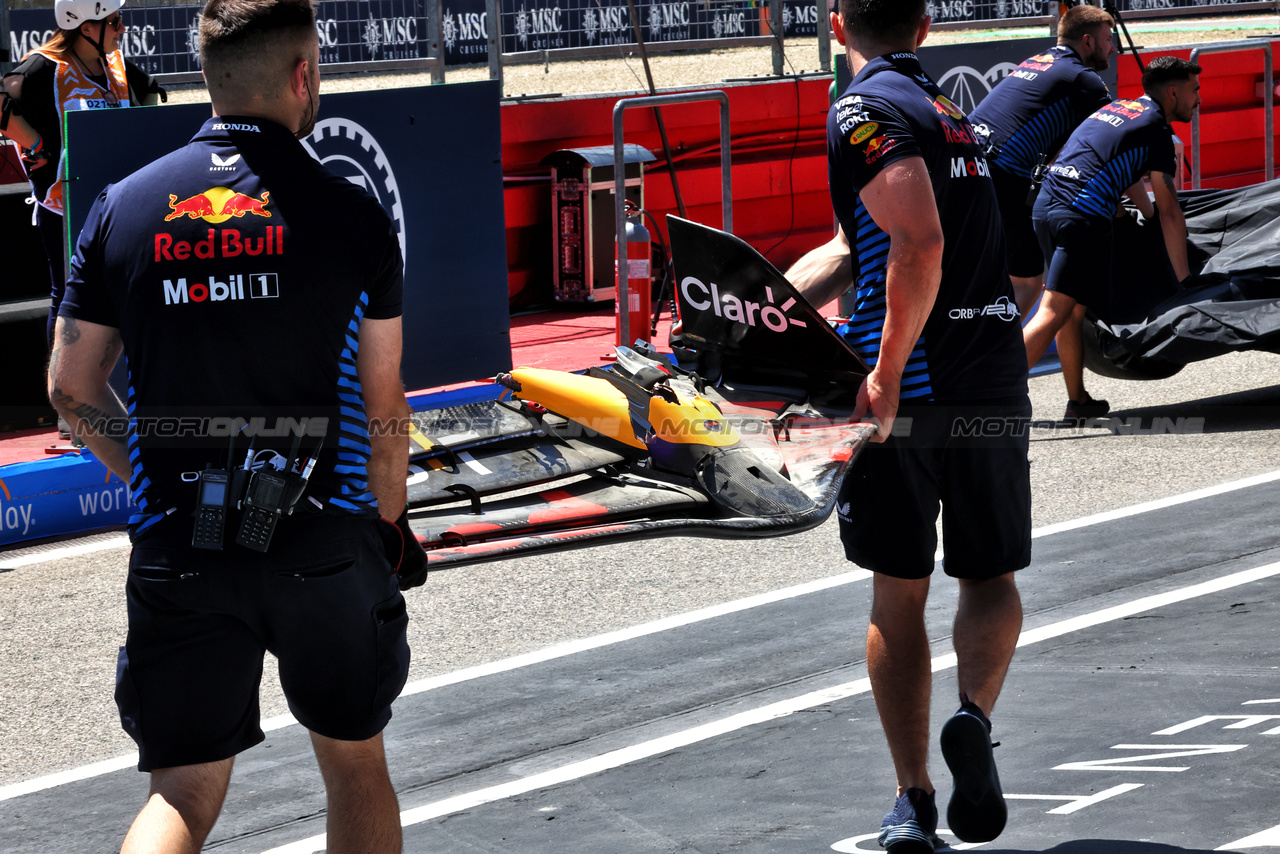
1151,327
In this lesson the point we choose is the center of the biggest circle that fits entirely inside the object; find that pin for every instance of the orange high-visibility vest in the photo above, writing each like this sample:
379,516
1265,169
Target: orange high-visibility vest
74,90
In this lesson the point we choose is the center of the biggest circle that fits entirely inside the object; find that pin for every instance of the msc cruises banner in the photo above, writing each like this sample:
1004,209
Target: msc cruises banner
950,11
531,25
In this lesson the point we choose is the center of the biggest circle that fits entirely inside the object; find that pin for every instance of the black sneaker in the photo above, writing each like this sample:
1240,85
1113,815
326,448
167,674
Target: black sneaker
976,811
1079,410
911,827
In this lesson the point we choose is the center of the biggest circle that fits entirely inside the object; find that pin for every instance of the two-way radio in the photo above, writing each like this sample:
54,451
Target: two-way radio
212,497
262,496
272,493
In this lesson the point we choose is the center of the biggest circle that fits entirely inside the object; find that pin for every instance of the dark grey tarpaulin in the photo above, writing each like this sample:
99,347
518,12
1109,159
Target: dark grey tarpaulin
1152,328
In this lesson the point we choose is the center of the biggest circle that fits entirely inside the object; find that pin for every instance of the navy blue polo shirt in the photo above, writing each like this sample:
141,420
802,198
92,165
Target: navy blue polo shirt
238,270
1032,111
971,347
1106,155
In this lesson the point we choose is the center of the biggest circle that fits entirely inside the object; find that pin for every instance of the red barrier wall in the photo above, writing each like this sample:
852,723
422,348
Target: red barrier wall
1231,114
779,170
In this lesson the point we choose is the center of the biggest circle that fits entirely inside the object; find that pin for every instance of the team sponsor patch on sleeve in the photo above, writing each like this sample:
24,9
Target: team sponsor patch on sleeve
863,132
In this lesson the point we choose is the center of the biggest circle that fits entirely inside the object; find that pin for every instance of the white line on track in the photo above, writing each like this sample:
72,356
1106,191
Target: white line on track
772,711
108,766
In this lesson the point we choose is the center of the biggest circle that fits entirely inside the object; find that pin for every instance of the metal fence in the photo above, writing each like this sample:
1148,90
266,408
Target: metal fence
432,35
949,13
367,35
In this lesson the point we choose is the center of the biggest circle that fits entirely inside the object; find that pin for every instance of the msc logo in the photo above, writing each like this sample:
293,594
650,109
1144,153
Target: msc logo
217,204
702,297
971,167
1066,171
261,286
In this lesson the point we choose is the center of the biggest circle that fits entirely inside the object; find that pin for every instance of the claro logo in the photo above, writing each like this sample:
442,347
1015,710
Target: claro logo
703,296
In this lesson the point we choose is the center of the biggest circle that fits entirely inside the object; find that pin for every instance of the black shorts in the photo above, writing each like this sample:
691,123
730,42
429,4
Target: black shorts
1079,253
324,601
1026,260
969,458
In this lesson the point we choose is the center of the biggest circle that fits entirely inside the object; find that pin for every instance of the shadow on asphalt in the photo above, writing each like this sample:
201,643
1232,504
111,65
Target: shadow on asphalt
1101,846
1254,410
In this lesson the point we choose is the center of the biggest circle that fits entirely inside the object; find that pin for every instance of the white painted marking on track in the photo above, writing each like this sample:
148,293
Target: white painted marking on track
119,542
1259,702
1047,530
1241,722
675,741
1075,803
572,647
62,778
1265,839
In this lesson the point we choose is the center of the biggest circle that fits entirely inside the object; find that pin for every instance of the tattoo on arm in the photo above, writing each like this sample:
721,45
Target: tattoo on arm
1168,183
111,351
70,330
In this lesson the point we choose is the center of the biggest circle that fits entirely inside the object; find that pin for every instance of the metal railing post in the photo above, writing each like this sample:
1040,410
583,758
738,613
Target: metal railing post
1268,100
776,28
620,184
436,8
493,15
824,35
4,29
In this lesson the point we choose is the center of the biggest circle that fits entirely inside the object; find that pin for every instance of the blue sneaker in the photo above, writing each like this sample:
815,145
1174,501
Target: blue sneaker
910,828
976,811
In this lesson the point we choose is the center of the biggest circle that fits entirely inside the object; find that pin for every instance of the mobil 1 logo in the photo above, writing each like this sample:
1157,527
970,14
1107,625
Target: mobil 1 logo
230,288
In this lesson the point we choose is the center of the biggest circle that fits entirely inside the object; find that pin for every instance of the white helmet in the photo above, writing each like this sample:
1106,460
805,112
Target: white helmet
72,13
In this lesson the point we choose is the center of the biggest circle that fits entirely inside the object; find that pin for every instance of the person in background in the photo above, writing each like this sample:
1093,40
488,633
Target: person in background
80,68
1023,122
1105,159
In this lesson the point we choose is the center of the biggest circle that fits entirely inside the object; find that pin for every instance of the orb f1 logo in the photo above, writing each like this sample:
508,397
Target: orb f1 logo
774,318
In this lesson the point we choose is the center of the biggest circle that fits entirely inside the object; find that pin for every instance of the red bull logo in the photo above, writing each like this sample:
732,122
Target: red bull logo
227,243
217,204
946,108
879,147
1128,109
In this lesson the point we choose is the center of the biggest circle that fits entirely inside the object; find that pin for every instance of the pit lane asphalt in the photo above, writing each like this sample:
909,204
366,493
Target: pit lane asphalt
806,781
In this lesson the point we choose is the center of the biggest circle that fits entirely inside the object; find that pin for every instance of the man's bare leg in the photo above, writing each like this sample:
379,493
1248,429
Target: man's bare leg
898,663
364,815
182,809
1070,339
988,622
1054,313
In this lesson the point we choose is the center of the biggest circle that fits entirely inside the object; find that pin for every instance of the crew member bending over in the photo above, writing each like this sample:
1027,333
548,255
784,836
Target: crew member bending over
1104,159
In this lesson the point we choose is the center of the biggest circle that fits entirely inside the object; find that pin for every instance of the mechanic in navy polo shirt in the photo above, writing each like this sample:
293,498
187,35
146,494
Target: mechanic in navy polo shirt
256,296
936,321
1103,160
1024,121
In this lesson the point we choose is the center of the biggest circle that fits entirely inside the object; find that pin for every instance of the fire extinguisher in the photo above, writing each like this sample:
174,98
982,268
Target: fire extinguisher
639,281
